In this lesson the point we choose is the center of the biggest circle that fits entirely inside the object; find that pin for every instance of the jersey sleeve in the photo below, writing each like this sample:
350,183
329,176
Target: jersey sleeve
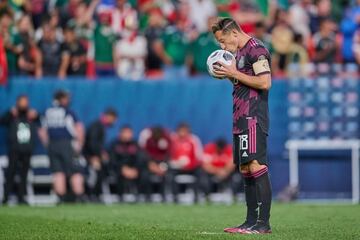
260,60
73,115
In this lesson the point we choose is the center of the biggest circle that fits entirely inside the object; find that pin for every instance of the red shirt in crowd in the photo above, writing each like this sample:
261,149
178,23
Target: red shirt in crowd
187,149
215,158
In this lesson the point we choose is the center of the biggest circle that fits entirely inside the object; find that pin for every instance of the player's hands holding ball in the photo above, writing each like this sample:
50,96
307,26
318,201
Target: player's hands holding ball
221,64
225,71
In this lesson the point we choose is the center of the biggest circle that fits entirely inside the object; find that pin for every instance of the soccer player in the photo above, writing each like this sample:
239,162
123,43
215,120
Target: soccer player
251,77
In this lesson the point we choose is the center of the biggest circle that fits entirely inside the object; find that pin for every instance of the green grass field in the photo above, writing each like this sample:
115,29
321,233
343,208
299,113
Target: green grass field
155,221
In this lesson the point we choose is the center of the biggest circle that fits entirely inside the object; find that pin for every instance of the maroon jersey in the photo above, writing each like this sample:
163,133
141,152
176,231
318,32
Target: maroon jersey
250,106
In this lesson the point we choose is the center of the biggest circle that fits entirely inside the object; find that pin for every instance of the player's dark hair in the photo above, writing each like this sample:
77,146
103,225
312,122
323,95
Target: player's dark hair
157,132
61,94
220,144
183,125
225,25
21,96
126,127
111,112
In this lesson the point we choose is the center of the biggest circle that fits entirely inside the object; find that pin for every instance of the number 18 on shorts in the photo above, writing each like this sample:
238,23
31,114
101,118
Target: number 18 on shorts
250,145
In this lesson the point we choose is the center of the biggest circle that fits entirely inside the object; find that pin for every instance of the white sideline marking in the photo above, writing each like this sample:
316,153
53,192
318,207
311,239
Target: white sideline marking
210,233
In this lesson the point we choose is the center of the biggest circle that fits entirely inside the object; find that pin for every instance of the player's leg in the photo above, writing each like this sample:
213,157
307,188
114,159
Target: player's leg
250,195
13,159
59,177
77,185
73,171
59,185
259,172
96,166
241,160
24,169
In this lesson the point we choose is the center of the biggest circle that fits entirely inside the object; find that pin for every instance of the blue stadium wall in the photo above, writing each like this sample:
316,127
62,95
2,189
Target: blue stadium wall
204,103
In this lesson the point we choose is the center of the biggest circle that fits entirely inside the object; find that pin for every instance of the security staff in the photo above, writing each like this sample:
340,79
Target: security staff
21,123
62,134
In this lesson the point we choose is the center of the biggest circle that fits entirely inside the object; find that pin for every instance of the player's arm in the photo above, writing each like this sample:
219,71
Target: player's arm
261,81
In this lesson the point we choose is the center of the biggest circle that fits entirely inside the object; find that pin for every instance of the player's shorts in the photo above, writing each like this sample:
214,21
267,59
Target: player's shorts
250,145
62,157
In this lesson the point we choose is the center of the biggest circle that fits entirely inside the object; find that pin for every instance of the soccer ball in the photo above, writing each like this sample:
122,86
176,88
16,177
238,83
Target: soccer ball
222,56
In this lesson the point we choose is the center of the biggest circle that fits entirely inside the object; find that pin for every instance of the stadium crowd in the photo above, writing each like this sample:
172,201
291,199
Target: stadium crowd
157,162
149,39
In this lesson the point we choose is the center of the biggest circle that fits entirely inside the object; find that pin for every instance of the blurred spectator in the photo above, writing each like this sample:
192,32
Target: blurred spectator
217,165
186,157
29,61
51,50
19,8
21,122
200,49
82,21
261,34
356,46
5,44
3,63
297,58
95,152
166,7
175,45
130,53
348,28
338,9
300,17
122,13
355,12
155,57
53,21
282,39
182,21
11,40
127,161
200,11
66,10
104,41
324,43
225,7
73,59
156,144
38,9
321,11
246,14
63,135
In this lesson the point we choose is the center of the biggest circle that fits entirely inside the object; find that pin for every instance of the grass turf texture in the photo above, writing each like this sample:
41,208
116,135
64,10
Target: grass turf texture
289,221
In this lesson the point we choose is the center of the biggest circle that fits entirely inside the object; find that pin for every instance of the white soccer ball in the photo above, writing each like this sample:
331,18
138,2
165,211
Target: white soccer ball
222,56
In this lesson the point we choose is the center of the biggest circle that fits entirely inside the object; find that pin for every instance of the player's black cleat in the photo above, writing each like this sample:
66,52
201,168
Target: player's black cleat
259,228
241,228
